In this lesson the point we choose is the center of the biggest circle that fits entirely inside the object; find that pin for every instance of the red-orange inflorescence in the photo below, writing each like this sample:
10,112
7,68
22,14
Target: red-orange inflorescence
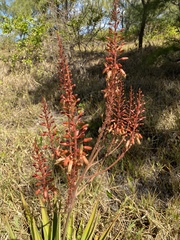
49,128
74,146
122,116
43,175
44,151
121,121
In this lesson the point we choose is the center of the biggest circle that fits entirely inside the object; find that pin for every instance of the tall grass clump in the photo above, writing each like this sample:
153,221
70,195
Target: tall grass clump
79,156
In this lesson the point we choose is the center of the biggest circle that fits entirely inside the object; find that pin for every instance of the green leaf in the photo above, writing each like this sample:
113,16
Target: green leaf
79,231
91,225
56,224
108,230
57,230
70,228
9,230
109,194
45,221
31,221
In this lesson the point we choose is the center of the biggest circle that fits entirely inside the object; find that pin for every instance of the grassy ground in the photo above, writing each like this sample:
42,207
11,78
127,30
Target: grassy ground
144,186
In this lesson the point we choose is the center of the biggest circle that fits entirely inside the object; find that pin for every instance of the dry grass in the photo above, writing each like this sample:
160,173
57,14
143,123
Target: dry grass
144,187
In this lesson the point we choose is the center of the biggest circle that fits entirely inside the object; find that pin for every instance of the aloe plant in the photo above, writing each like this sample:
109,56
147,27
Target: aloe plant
72,152
52,229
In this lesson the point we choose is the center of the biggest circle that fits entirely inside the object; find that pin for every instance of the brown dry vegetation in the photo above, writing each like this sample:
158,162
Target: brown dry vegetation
144,187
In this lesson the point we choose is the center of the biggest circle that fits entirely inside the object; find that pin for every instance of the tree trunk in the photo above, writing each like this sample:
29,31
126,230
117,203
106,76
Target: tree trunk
143,22
66,5
141,32
66,8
